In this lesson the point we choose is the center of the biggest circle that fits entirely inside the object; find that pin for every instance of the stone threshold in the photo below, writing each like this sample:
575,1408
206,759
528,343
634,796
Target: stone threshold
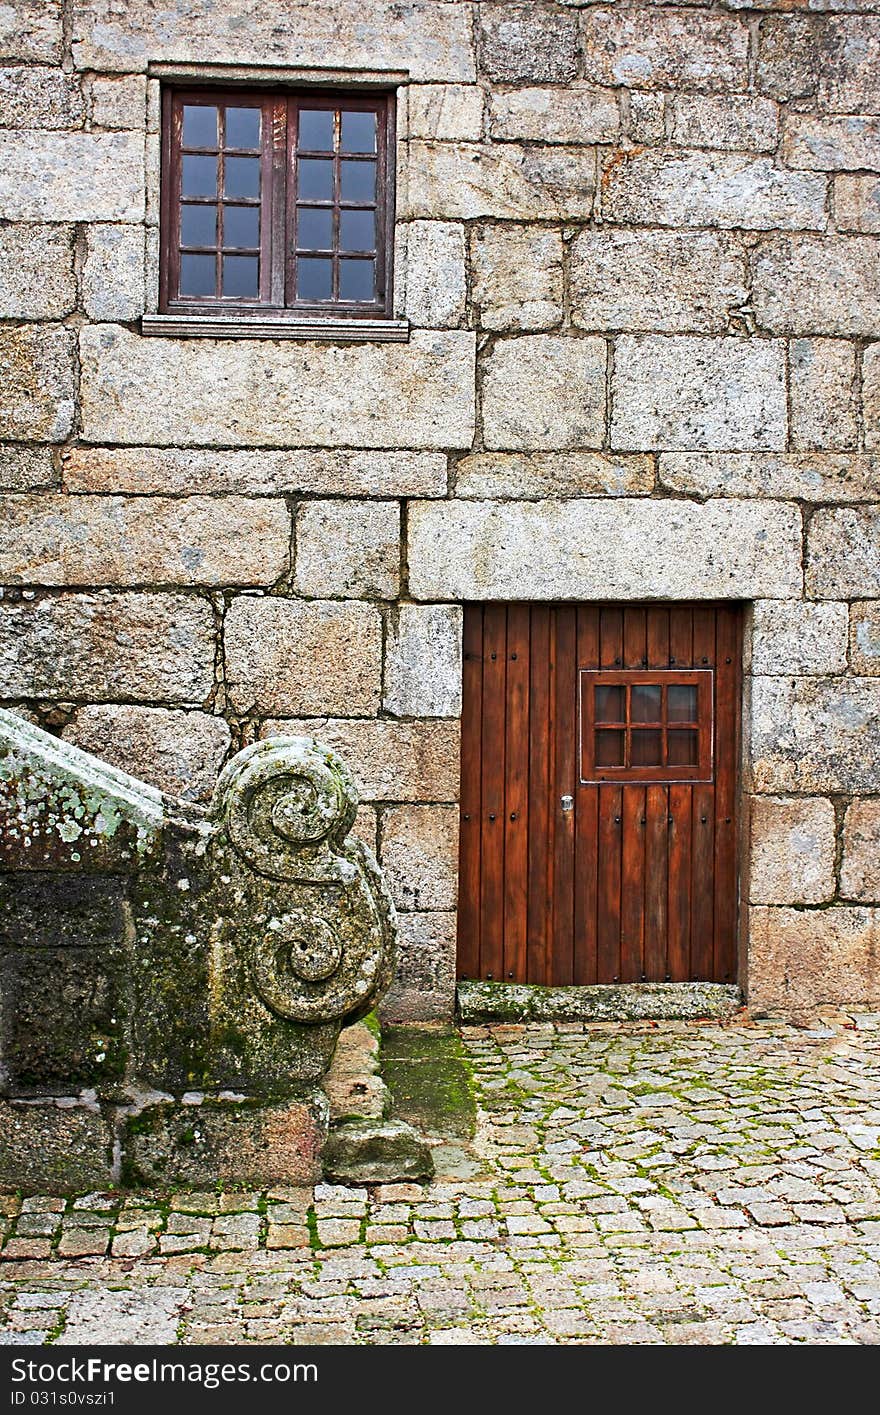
602,1002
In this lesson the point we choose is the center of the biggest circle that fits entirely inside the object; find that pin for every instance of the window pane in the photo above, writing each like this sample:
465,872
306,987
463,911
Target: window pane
357,181
241,226
198,177
646,699
646,747
609,748
358,132
198,225
315,179
243,128
682,703
197,274
314,279
356,280
241,275
199,125
357,231
314,229
316,130
242,177
682,748
610,704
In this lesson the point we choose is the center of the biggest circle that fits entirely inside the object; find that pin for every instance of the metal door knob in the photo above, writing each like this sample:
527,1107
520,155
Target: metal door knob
567,803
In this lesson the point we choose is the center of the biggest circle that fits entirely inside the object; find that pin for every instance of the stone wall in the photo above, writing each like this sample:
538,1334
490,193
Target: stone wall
638,248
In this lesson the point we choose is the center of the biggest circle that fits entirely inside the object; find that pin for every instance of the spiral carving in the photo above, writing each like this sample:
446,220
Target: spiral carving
319,929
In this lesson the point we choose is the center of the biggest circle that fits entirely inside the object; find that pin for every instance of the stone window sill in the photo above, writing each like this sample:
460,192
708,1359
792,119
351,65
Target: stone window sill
331,331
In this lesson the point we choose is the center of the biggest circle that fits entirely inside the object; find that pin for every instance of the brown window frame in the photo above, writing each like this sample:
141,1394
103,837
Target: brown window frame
592,773
280,110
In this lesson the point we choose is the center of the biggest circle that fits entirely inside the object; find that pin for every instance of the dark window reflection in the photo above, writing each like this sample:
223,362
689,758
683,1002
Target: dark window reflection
242,177
243,128
358,132
356,280
199,125
357,181
197,274
198,176
198,225
241,226
241,275
314,229
315,131
315,179
314,278
357,231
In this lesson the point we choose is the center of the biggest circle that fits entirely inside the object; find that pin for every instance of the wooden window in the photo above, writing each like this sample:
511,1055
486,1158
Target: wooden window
645,726
276,204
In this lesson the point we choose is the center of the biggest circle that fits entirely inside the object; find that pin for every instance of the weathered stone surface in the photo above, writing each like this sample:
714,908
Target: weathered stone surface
26,468
647,117
175,392
423,661
831,144
796,636
118,102
429,38
816,477
575,114
816,285
836,59
299,657
860,867
864,644
823,398
728,189
536,475
737,122
42,176
39,98
871,395
446,112
670,282
390,761
107,646
517,277
66,1149
31,30
479,550
239,1145
435,274
843,553
605,1002
542,391
36,272
792,851
815,735
364,1152
522,44
800,959
353,1086
857,204
180,752
424,983
36,375
99,540
147,470
63,809
348,549
674,48
419,855
113,272
461,181
692,393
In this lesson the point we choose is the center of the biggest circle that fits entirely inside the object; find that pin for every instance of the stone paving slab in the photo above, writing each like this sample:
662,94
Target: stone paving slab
673,1183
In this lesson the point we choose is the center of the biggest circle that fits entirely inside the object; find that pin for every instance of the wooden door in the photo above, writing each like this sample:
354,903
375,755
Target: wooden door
599,793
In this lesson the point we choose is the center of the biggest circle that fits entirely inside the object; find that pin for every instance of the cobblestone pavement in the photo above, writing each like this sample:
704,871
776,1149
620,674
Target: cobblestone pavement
680,1183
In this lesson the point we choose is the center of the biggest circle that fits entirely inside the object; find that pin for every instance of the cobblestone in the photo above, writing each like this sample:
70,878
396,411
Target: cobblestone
684,1184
